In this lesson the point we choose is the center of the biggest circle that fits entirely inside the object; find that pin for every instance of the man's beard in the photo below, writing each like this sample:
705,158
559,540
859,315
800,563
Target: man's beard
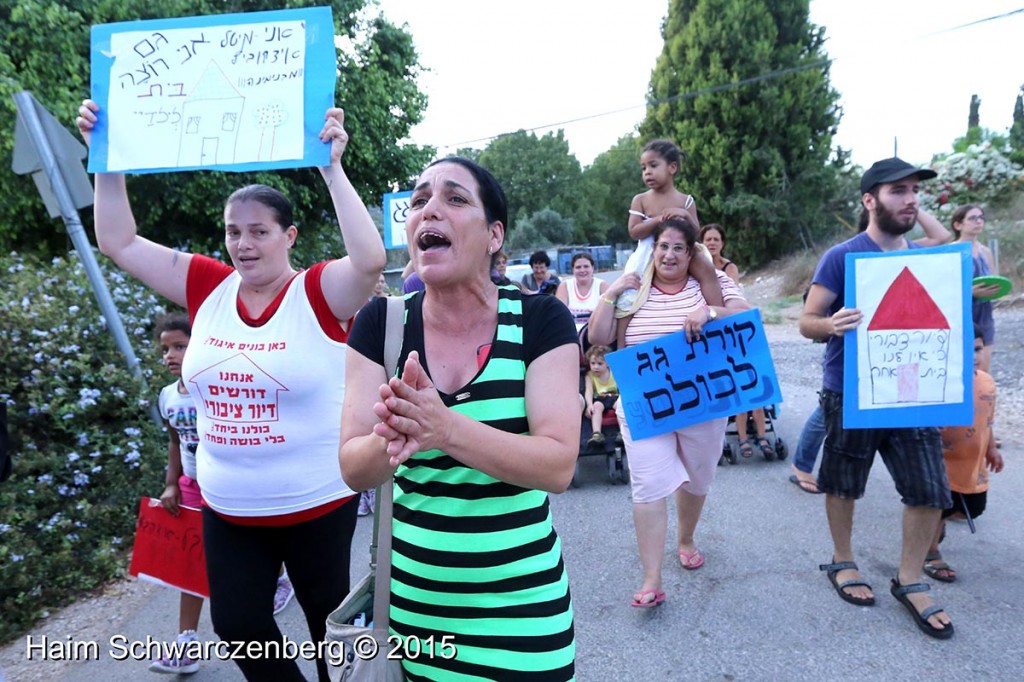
889,223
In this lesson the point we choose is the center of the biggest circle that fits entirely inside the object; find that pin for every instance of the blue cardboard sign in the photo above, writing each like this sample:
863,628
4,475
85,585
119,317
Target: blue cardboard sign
670,382
236,92
910,362
396,209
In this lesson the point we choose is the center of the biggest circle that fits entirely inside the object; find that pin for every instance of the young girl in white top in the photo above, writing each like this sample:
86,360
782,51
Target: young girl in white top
659,164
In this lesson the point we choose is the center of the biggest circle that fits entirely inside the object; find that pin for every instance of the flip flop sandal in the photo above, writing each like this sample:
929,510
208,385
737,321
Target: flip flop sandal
640,602
937,569
807,486
691,560
746,448
834,568
921,618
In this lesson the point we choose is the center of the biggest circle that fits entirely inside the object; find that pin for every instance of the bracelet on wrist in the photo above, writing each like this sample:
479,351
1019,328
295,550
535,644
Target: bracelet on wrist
609,301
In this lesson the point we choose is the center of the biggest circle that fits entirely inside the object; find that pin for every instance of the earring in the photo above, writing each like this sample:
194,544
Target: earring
490,251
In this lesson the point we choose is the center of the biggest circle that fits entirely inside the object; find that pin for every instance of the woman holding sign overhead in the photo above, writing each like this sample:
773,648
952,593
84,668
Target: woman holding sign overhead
682,462
267,371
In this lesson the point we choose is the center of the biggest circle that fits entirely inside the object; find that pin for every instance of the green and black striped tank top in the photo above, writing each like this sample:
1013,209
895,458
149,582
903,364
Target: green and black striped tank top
476,565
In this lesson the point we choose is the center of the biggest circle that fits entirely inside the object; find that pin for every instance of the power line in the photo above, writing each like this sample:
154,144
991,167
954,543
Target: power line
720,88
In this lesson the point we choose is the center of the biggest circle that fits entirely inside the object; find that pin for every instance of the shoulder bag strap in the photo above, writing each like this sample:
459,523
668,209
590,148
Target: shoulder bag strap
394,332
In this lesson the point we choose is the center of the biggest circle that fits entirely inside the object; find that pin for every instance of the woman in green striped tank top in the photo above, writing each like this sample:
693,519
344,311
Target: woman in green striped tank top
473,429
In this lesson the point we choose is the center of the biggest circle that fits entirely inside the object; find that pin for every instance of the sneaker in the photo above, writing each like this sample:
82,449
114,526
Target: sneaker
366,502
596,439
175,665
283,595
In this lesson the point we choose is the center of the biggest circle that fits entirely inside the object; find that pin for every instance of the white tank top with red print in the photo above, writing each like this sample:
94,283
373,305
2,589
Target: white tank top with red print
268,403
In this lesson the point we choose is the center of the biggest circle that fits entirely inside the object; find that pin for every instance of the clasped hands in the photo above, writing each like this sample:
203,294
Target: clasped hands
413,418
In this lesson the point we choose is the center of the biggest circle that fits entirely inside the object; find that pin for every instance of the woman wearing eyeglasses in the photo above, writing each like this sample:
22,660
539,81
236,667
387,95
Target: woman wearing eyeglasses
968,222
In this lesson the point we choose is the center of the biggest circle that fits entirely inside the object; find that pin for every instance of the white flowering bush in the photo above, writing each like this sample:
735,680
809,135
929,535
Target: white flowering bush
84,445
980,175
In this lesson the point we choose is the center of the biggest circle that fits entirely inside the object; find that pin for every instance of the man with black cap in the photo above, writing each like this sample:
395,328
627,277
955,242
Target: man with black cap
913,455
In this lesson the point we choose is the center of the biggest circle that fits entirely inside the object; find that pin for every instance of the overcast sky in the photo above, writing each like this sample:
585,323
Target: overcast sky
549,64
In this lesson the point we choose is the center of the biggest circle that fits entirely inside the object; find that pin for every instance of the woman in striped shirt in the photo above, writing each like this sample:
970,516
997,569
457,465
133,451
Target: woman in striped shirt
474,431
683,462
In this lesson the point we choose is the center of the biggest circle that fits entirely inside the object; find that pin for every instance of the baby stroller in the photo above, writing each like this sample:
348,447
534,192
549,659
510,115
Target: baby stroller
612,448
731,444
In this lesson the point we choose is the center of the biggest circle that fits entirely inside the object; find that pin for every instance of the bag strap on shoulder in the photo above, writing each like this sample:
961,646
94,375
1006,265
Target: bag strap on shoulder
394,331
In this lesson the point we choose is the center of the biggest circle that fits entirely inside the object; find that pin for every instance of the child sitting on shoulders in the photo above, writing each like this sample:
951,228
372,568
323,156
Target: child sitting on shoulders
600,390
659,164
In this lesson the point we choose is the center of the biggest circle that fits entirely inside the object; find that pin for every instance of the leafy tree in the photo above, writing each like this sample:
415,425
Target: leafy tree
758,148
535,172
526,237
552,226
376,87
469,153
610,183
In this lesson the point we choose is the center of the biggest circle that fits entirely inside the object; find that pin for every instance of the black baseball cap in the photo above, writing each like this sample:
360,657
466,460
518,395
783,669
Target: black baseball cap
891,170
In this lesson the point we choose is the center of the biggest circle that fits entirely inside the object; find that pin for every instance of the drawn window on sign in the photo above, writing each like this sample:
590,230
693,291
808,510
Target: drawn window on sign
908,345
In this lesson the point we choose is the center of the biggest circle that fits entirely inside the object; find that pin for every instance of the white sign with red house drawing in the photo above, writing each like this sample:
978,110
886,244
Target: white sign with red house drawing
910,350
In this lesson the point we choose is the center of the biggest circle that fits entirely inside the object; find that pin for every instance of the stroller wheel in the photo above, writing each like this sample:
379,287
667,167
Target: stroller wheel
731,456
575,483
624,467
780,449
613,471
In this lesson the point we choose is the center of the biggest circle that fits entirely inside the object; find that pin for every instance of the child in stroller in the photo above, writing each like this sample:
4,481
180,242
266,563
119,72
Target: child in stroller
599,428
599,392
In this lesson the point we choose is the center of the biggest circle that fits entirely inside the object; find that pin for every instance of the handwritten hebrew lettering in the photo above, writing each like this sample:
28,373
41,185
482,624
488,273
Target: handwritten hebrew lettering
660,403
726,371
234,84
743,367
400,211
726,374
695,340
644,363
681,386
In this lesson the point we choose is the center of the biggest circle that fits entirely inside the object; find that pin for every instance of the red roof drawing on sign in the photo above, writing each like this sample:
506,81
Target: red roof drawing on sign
906,305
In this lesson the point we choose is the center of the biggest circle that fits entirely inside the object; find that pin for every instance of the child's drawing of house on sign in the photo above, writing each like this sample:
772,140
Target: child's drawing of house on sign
211,116
908,345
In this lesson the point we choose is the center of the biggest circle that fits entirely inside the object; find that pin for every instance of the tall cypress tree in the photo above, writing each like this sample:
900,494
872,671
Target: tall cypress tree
757,149
1017,129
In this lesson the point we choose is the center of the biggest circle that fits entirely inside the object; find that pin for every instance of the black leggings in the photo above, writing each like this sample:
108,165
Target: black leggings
243,562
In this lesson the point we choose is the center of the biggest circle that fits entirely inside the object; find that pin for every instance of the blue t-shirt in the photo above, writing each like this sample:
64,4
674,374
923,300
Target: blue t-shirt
831,274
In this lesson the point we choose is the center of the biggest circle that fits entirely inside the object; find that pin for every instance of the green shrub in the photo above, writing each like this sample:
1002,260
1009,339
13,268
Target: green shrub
84,445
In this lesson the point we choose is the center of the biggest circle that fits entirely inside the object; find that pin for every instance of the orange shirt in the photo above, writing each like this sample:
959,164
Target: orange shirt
964,447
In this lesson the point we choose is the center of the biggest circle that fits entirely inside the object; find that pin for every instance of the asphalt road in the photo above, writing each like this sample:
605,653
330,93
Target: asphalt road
758,609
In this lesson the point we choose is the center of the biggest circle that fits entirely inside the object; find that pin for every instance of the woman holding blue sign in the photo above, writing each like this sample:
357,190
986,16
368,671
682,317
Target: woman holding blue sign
266,370
682,462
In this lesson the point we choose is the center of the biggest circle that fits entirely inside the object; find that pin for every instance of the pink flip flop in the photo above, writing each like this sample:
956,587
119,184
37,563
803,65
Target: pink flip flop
638,599
691,560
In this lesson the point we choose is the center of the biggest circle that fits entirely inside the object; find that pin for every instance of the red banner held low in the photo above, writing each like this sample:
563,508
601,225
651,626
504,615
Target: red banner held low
169,549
